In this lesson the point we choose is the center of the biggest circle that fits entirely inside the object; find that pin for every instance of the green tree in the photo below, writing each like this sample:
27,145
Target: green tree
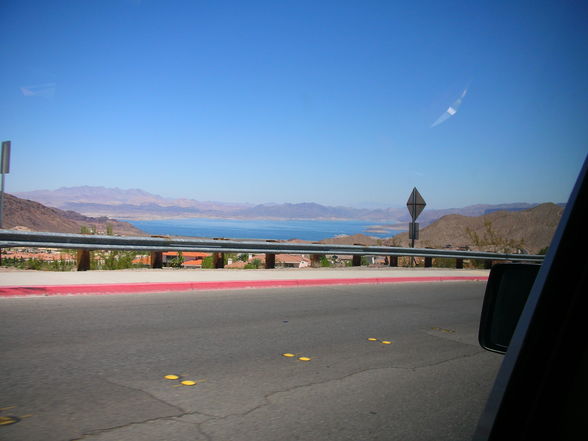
178,261
254,264
33,264
113,260
207,262
60,265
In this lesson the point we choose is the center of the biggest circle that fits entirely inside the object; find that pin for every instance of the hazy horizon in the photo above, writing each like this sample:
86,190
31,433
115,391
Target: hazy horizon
246,203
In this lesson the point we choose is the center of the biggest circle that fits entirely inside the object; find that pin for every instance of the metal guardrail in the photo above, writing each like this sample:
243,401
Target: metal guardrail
11,238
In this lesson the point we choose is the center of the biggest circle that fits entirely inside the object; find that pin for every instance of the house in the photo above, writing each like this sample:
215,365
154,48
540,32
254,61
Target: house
236,265
196,263
188,256
45,255
142,260
291,261
191,259
284,260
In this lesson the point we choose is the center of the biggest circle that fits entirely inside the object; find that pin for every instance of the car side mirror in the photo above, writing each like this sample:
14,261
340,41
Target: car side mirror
508,288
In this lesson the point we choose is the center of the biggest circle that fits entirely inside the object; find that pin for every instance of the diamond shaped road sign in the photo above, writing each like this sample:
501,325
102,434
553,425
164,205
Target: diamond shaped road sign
415,204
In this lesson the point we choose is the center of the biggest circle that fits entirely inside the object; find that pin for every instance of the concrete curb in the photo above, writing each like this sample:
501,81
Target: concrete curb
129,288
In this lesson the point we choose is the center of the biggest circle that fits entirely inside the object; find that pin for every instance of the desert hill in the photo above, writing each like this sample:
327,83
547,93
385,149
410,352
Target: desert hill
356,239
533,228
37,217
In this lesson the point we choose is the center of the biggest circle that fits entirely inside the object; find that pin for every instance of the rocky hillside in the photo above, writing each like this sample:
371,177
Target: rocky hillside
533,228
37,217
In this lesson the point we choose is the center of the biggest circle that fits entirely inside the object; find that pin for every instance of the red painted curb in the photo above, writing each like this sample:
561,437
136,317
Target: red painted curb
127,288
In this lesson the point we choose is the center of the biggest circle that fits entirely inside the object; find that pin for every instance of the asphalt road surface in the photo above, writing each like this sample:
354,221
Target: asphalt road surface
93,367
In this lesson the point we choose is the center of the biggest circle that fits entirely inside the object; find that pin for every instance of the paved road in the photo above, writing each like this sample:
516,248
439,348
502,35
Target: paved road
92,367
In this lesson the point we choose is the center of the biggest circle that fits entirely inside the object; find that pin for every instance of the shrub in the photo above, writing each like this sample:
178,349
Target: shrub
444,262
113,260
493,241
207,262
178,261
34,264
254,264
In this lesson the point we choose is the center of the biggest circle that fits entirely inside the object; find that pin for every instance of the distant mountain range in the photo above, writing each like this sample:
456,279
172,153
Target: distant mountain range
532,228
138,204
98,198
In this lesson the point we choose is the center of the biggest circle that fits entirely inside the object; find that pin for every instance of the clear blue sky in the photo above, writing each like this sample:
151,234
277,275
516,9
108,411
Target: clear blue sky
291,101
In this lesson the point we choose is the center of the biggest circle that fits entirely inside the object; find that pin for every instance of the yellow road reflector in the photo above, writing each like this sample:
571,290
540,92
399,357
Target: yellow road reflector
171,377
7,408
188,383
287,354
7,420
304,358
386,342
372,339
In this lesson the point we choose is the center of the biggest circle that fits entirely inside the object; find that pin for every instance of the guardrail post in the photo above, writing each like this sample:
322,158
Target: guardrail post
393,260
428,262
83,260
156,259
355,259
218,260
459,263
270,261
315,260
488,264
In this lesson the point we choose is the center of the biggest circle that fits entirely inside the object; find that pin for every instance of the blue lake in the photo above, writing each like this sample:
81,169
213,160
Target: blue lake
258,229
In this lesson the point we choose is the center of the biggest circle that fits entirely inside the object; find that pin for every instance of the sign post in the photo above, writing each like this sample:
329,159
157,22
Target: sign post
415,204
4,169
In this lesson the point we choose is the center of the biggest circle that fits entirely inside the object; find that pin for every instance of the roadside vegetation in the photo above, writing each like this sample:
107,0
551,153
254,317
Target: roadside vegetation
488,239
491,240
38,264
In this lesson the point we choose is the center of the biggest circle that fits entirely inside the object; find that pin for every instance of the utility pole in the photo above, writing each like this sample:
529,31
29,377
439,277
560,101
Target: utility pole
4,169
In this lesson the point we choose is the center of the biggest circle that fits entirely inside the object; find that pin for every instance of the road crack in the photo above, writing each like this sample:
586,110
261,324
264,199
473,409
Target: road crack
267,399
153,397
174,418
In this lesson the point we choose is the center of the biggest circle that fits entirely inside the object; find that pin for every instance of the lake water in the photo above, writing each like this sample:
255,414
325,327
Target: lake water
258,229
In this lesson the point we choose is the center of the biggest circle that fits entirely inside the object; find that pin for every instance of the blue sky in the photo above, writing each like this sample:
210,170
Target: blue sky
291,101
